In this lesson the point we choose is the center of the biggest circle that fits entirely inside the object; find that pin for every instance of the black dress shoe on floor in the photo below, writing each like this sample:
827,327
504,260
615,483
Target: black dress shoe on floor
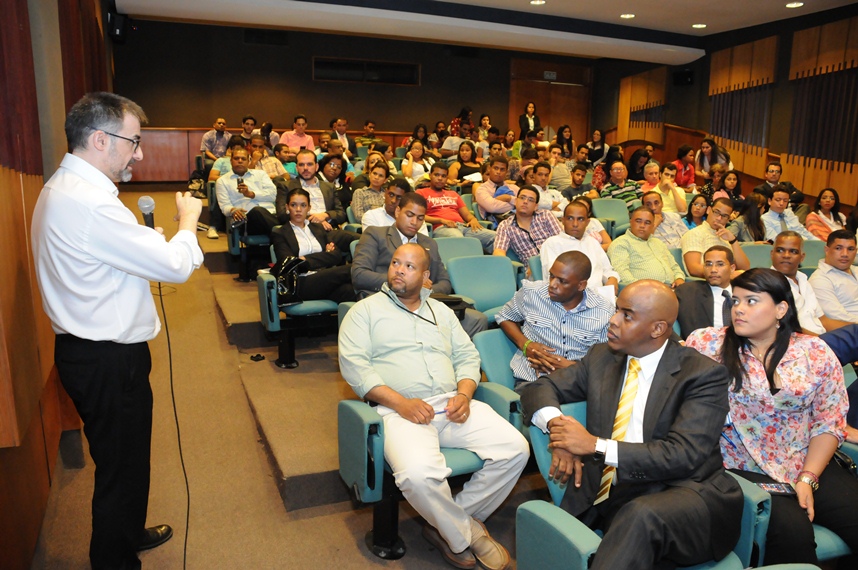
155,536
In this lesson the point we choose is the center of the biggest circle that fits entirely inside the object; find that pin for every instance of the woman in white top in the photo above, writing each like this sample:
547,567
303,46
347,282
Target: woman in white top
416,162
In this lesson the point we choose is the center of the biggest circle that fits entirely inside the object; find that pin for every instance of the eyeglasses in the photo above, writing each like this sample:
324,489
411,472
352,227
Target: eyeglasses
718,214
135,141
333,166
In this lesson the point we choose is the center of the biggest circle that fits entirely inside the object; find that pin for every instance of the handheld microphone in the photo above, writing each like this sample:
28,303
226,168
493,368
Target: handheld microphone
147,207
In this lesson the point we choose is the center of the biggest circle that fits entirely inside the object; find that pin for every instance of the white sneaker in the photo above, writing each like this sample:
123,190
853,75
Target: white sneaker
212,233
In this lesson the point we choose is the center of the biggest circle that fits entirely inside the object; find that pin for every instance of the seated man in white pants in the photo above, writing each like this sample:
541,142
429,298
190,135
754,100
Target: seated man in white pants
408,353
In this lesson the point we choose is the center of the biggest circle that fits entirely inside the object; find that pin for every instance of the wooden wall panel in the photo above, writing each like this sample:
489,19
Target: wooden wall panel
832,46
570,105
624,109
165,156
719,71
764,64
755,160
740,70
851,53
844,179
805,53
640,83
816,176
793,169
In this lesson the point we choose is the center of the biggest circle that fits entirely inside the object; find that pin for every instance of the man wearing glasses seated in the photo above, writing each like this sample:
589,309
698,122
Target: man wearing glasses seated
618,186
711,232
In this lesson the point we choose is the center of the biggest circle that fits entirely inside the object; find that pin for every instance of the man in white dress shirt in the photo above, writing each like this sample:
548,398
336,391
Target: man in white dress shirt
787,255
94,263
575,238
384,215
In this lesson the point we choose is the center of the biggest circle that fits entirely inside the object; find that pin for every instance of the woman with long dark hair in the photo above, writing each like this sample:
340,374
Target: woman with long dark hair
565,140
320,270
420,133
416,162
596,148
636,165
463,118
709,155
787,415
465,165
825,217
696,214
529,120
748,226
600,173
509,140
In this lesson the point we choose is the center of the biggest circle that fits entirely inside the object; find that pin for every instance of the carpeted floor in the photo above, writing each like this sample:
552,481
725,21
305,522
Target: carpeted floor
237,516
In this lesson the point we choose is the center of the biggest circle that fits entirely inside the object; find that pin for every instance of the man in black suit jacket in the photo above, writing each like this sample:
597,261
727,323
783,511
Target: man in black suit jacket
375,250
339,132
671,501
772,178
697,307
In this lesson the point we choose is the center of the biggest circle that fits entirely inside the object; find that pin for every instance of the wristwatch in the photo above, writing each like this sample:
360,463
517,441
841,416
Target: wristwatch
601,448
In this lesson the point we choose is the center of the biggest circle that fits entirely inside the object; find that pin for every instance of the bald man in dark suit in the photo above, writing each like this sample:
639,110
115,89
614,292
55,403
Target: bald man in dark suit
658,489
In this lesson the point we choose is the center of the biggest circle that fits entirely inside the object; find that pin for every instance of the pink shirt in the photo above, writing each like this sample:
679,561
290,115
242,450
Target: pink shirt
293,140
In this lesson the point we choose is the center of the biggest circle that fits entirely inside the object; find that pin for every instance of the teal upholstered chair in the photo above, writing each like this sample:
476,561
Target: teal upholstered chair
535,265
496,352
488,280
814,251
240,243
547,535
306,316
353,225
364,470
616,211
759,254
452,247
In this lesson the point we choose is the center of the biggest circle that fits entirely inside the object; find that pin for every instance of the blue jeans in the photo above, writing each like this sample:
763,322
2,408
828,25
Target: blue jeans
486,237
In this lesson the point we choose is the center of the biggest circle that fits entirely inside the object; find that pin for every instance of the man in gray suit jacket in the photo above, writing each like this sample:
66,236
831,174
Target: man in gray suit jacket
668,500
375,250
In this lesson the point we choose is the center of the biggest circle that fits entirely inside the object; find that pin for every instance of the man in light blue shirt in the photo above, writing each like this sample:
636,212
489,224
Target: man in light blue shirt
779,219
555,322
247,194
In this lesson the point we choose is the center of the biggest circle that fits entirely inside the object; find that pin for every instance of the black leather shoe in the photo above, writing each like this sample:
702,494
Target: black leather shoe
155,536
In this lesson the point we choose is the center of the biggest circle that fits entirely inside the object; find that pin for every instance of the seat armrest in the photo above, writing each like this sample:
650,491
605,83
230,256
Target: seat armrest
548,537
755,521
504,401
851,450
360,435
269,312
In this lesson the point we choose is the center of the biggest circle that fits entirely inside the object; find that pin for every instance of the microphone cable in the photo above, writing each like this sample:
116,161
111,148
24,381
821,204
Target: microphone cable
178,431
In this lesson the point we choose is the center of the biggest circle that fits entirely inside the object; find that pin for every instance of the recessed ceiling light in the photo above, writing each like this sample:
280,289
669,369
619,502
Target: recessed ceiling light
795,5
627,16
537,2
698,26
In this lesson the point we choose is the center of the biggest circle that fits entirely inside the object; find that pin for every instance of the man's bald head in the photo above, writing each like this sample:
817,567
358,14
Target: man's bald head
646,311
578,262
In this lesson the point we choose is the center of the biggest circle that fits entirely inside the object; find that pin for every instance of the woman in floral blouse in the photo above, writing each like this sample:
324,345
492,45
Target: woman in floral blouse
787,415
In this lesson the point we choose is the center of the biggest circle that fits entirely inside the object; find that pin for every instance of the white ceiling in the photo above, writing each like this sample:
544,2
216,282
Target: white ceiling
668,15
661,15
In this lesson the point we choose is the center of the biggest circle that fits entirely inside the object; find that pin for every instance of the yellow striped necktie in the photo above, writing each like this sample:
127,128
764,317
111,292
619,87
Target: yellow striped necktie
621,424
